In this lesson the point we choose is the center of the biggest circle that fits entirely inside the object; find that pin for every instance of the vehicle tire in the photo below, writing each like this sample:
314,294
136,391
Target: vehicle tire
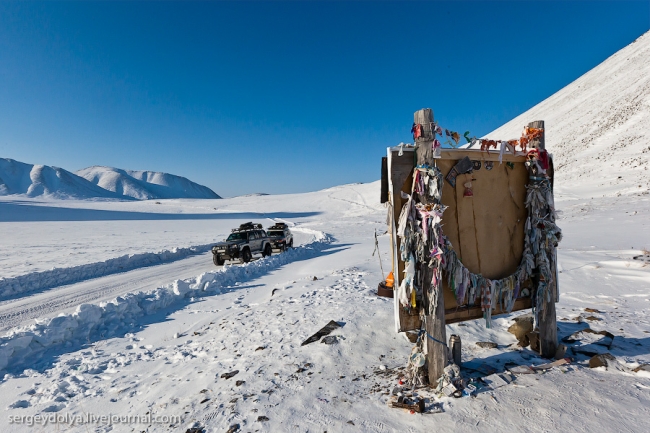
216,258
246,255
283,247
267,250
291,243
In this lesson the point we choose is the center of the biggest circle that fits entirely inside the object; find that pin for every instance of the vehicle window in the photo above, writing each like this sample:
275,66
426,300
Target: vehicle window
237,237
275,233
263,233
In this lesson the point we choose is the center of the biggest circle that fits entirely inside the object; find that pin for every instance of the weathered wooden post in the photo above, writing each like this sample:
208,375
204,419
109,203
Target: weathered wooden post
547,321
437,354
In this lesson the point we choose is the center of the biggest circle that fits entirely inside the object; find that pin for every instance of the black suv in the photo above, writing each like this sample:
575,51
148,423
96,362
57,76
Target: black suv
280,236
242,243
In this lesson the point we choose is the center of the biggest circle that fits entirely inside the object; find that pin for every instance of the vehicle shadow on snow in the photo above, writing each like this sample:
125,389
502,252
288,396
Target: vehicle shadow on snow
27,212
46,359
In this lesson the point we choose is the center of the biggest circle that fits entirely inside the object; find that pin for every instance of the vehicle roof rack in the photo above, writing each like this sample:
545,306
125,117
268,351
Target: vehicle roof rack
279,226
248,226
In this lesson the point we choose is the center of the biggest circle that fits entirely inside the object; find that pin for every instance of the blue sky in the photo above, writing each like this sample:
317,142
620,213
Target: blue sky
280,97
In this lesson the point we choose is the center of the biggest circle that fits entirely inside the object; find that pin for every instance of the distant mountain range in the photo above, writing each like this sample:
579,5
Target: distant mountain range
19,178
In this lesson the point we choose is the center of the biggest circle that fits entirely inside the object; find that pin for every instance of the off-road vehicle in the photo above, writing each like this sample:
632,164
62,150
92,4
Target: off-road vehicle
280,236
242,243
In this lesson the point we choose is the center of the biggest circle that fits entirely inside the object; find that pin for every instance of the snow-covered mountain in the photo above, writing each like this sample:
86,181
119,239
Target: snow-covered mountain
144,185
19,178
42,180
598,127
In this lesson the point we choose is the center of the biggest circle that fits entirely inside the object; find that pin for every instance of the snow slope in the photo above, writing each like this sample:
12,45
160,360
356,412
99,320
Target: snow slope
42,180
145,185
598,127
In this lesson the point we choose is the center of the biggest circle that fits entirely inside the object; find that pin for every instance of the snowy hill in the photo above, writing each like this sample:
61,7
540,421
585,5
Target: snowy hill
598,127
42,180
144,185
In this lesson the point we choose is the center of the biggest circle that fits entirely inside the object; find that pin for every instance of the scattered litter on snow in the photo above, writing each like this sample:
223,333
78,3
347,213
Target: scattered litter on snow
325,330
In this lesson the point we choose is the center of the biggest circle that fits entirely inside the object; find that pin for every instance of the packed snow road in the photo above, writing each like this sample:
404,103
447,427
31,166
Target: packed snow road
65,299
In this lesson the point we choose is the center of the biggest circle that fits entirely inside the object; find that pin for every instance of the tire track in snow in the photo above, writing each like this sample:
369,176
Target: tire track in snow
65,298
37,281
27,346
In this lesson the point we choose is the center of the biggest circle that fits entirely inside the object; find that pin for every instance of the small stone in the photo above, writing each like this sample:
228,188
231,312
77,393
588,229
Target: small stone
204,400
350,422
602,360
233,428
262,418
260,348
487,345
533,339
315,278
642,367
592,310
593,318
229,375
330,339
522,327
240,382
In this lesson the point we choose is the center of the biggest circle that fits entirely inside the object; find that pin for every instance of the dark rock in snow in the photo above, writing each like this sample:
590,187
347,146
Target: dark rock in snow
522,327
233,428
262,418
229,375
487,345
602,360
330,339
642,367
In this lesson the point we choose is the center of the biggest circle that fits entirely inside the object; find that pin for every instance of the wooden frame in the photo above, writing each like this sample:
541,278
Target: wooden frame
491,246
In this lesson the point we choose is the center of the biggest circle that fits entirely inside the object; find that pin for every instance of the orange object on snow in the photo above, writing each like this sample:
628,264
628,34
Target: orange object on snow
390,280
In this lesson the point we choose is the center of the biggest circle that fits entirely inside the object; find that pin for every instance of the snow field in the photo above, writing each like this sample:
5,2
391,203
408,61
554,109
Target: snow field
22,347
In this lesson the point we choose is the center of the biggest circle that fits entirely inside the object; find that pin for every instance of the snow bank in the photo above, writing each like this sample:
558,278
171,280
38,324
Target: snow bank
63,276
26,346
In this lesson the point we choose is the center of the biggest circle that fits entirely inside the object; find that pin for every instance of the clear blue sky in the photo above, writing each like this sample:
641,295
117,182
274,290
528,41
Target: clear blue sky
280,97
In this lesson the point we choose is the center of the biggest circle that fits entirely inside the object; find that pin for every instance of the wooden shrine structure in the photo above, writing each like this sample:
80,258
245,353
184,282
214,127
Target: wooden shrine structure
486,229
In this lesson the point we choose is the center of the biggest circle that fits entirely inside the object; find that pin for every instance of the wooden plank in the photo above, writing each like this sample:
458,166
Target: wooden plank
468,243
492,220
462,314
548,321
435,327
401,176
476,154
